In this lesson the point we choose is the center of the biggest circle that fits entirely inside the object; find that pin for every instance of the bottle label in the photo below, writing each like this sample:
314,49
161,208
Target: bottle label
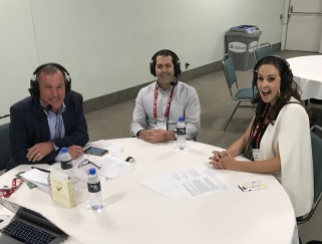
95,187
181,131
66,164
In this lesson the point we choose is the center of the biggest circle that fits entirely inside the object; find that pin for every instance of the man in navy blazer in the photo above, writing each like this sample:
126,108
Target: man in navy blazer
51,118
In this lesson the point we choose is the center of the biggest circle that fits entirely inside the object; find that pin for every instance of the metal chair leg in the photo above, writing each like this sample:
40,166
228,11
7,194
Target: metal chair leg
231,116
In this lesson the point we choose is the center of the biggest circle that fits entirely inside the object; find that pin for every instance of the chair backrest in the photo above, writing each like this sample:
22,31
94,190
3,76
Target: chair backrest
316,142
229,71
5,152
317,165
263,50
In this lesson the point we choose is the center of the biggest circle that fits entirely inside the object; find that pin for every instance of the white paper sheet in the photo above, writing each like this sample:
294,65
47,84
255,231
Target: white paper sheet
193,182
200,181
163,184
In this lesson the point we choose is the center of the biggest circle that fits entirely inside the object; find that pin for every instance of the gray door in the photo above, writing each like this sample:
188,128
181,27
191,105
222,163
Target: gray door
304,25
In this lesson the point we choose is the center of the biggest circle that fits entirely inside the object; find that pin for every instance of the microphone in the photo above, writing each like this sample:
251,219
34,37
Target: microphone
49,107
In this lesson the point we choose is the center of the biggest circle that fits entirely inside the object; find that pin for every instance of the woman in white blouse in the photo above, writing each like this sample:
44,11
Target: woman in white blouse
278,138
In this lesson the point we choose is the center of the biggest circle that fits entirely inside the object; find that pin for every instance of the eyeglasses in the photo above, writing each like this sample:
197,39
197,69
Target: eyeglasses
86,162
7,191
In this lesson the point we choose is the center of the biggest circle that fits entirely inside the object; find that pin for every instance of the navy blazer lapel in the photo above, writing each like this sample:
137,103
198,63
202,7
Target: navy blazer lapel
43,132
68,116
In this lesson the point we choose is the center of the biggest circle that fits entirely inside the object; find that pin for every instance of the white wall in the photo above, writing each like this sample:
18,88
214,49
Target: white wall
107,45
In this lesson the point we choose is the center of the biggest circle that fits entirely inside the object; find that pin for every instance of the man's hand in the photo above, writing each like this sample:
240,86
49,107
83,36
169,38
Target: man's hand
75,151
156,136
39,151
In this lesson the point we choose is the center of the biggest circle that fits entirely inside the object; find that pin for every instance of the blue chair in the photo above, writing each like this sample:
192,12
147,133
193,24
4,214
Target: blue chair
238,94
317,168
263,50
5,153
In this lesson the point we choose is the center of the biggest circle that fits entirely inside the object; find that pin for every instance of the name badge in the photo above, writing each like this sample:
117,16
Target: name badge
256,155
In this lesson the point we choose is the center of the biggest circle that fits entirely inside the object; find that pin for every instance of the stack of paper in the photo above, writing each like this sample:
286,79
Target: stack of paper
37,177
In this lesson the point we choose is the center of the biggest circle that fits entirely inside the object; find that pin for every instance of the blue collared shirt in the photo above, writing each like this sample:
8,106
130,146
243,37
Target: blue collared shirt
55,123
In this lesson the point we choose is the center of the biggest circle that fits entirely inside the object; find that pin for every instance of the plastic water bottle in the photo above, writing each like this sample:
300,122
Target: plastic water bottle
181,133
66,163
94,190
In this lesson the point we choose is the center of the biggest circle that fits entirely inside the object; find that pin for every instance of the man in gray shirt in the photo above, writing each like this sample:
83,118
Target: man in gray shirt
159,105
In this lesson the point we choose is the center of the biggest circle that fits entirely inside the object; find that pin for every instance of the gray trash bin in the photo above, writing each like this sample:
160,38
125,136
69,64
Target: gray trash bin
240,42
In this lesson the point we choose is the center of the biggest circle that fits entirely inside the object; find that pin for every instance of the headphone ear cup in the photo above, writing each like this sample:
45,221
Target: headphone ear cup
287,79
152,67
177,69
34,89
68,85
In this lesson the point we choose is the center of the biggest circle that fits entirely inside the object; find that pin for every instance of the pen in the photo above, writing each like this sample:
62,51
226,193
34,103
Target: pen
44,170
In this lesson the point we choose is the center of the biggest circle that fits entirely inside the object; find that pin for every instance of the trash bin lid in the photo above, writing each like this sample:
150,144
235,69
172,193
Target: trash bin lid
245,30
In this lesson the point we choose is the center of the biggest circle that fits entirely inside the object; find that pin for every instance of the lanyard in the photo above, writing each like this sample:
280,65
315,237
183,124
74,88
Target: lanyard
7,191
155,101
259,129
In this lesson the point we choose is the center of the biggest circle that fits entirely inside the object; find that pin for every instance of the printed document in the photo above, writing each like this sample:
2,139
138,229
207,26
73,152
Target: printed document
198,182
193,182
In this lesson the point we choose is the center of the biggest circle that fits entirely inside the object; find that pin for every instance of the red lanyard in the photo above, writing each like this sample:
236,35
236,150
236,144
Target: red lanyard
16,182
155,101
260,128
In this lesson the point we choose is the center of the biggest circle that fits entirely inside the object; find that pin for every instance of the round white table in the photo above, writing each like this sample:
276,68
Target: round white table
307,71
135,214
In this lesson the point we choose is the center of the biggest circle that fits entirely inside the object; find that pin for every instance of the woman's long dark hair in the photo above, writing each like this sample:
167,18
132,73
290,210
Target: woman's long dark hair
287,89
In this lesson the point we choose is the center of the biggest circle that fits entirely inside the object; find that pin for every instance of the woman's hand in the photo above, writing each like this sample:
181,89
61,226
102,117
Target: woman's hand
217,159
228,162
222,160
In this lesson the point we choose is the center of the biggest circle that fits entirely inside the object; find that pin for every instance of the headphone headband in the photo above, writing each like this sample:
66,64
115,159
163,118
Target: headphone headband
175,61
34,84
59,66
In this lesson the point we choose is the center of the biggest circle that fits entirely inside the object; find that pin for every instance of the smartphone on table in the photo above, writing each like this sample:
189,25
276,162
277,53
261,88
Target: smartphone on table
96,151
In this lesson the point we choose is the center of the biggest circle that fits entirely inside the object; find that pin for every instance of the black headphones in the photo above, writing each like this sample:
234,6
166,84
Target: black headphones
175,61
286,77
34,85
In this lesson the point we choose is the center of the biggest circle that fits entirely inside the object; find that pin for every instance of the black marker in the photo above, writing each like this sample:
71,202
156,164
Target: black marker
43,170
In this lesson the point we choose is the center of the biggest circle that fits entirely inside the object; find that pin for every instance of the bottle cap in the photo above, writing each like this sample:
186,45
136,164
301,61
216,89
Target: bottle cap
63,149
92,171
181,119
